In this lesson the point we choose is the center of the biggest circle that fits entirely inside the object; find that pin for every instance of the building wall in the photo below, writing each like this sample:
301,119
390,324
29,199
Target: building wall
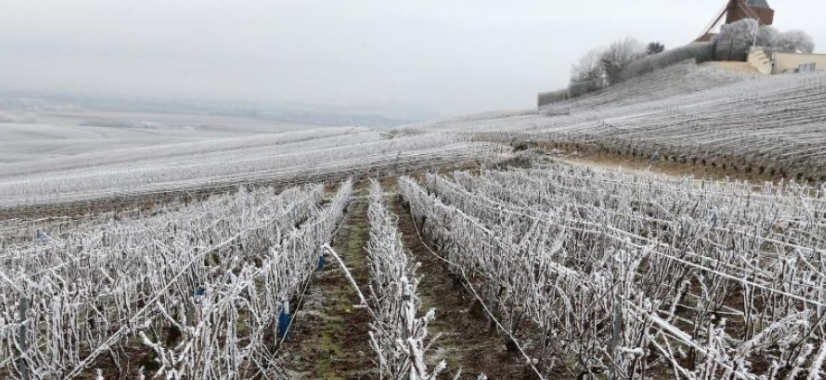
731,50
785,62
761,61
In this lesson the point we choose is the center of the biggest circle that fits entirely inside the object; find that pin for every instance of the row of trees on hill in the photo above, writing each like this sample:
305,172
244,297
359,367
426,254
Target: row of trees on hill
606,66
749,32
601,67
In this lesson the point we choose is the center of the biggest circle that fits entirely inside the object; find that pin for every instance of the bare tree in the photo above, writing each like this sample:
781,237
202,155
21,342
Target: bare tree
588,75
618,56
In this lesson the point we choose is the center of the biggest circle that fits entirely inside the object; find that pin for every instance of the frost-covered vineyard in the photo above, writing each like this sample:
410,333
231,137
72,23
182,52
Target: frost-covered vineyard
435,251
215,275
694,115
305,156
588,273
399,330
626,275
698,115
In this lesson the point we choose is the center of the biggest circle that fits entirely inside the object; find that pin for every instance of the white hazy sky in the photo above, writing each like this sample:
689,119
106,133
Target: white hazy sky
446,56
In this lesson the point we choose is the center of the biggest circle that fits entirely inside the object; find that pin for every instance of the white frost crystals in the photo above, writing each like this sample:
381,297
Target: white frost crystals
297,157
687,113
628,274
398,335
193,293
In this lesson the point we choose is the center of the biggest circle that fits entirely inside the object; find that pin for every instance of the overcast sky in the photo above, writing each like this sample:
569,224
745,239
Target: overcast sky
446,56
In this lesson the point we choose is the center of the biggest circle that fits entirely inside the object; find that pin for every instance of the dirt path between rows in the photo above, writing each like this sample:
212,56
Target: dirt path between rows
465,341
329,337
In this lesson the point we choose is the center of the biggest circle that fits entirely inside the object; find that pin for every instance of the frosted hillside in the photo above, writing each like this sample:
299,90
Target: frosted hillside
686,113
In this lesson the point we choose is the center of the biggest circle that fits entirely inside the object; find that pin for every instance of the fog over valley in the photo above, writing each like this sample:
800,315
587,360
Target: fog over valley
398,60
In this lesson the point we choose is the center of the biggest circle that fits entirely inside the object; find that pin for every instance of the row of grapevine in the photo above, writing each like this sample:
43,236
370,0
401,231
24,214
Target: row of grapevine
190,293
398,335
315,158
626,275
19,230
688,114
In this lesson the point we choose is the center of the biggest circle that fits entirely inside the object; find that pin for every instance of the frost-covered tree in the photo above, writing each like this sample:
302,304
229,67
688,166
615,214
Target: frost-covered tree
588,74
602,67
741,32
618,56
767,36
793,41
747,32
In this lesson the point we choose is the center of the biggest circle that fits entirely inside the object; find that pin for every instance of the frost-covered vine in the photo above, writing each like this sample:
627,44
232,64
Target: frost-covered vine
399,333
623,274
196,293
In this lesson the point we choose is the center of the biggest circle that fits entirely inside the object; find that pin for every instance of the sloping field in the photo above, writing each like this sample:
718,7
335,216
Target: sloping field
289,157
555,272
124,280
276,258
29,142
631,276
698,115
691,114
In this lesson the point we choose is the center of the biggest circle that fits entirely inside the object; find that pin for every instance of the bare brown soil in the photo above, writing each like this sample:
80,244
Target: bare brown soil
329,338
466,341
665,167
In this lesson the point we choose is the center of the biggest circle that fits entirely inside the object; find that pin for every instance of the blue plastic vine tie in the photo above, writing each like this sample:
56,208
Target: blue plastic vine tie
284,321
321,261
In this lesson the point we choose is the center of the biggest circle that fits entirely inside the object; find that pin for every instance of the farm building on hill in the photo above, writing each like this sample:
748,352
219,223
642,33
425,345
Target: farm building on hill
767,62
